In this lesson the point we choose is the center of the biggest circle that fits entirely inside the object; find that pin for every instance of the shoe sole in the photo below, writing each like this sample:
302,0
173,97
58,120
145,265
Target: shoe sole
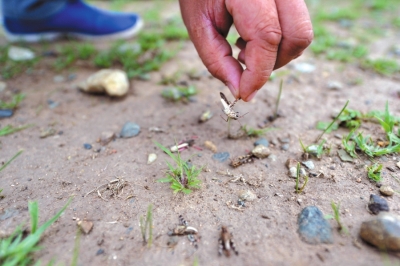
51,36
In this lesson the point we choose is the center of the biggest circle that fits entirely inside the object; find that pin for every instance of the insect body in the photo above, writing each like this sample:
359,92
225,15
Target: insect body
228,108
242,160
226,243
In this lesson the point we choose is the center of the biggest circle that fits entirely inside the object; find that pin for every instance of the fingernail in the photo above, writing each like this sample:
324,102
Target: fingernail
251,96
232,89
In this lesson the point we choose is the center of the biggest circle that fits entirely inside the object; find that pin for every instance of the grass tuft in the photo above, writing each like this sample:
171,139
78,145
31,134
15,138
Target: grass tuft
18,250
183,177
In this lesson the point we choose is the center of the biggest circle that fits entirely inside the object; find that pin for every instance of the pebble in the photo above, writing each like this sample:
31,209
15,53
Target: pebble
221,156
3,86
285,147
334,85
344,156
398,164
313,149
52,104
6,113
130,130
151,158
260,151
377,204
272,157
71,77
20,54
211,146
386,190
313,227
85,226
100,251
106,137
261,141
291,163
383,232
293,172
309,164
58,79
247,195
114,82
304,67
87,146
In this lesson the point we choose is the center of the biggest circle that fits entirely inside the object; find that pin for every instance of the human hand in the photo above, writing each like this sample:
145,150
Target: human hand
273,32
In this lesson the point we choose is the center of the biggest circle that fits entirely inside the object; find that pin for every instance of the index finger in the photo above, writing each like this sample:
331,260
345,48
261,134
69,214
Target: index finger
258,24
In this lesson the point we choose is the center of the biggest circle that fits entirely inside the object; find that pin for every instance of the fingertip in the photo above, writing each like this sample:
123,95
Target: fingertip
249,97
234,90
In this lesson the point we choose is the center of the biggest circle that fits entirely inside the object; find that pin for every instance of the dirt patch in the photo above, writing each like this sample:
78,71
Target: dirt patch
52,169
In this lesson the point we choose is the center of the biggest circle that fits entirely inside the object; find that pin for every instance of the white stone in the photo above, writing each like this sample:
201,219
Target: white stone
114,82
20,54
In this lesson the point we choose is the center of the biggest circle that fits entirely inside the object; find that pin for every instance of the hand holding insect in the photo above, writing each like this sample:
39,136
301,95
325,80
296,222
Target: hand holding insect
272,33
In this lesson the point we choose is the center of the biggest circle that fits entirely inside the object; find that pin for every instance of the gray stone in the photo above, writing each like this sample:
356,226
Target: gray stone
313,228
130,130
344,156
377,204
261,141
221,156
6,113
309,164
58,79
285,146
383,232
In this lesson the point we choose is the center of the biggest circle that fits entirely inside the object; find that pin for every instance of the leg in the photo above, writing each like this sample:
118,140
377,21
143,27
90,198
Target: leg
226,120
233,247
220,246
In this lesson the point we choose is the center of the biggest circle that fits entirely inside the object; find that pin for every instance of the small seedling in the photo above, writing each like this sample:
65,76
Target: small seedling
146,226
253,132
76,248
313,149
1,196
9,161
350,147
278,100
179,93
374,172
299,190
183,177
15,101
336,216
17,249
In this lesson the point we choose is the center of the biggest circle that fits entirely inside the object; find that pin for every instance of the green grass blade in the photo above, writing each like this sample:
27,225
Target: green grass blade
333,121
34,212
12,159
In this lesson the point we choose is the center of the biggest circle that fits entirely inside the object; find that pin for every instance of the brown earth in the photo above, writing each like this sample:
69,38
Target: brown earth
52,169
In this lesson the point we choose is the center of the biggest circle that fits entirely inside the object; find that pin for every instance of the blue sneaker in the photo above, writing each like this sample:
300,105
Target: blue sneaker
76,19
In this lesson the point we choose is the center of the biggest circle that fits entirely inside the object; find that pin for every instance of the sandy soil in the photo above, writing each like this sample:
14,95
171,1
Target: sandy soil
52,169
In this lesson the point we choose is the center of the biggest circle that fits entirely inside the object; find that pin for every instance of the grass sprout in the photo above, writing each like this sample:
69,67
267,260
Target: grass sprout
17,249
179,93
15,101
184,176
146,226
336,216
374,172
314,149
333,122
9,161
349,146
253,132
